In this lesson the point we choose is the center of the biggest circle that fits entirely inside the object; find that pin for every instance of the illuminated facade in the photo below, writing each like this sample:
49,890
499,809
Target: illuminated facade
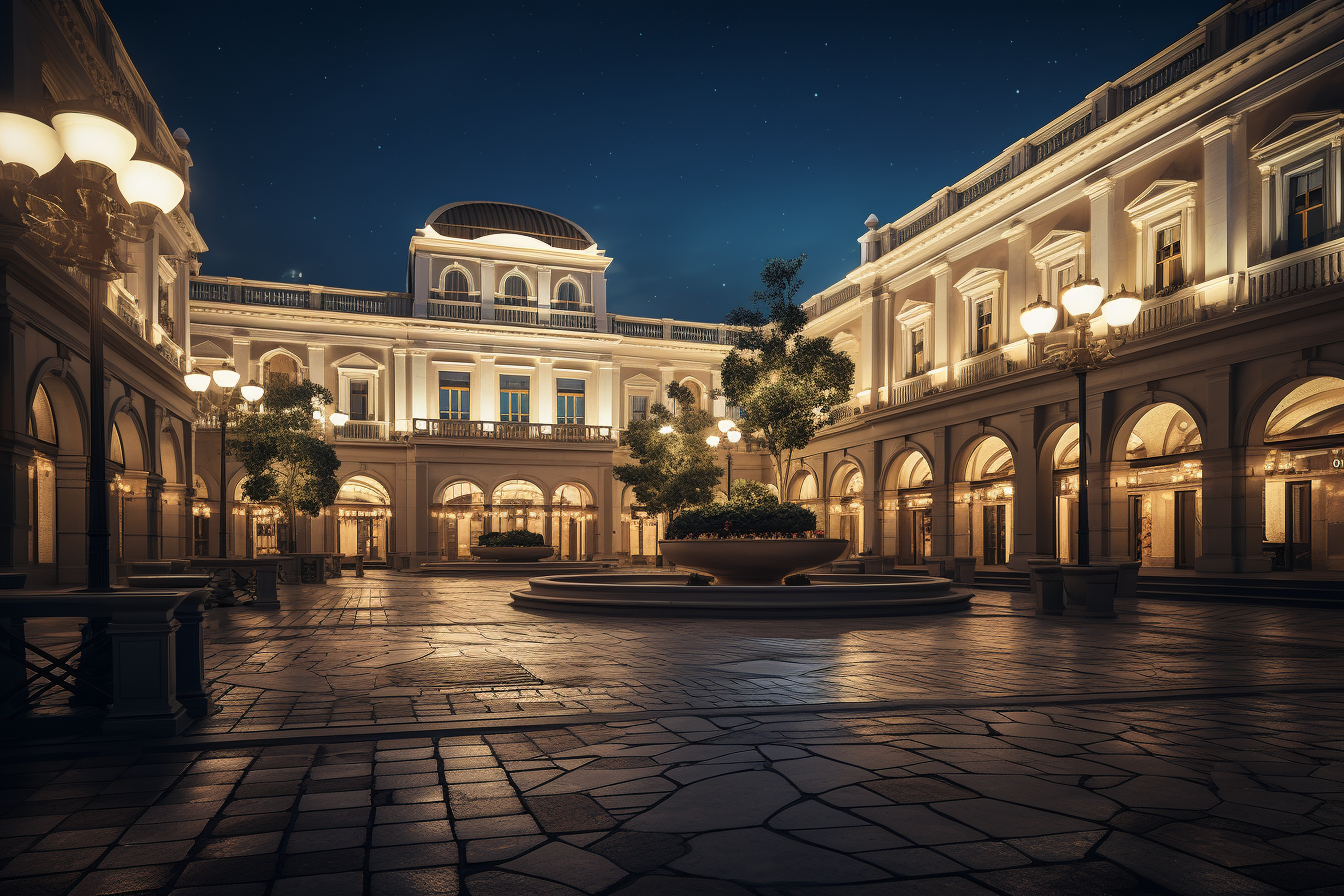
1209,180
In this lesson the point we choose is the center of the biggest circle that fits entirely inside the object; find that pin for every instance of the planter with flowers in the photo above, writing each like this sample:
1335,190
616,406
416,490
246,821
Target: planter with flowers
518,546
743,543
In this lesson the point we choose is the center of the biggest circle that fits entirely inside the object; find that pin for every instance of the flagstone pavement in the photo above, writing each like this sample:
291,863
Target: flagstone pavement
395,735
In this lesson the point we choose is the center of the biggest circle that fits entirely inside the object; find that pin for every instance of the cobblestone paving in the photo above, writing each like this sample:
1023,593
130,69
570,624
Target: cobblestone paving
720,775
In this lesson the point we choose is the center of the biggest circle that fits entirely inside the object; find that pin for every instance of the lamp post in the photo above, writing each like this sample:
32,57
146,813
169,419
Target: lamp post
733,435
1081,299
75,216
226,378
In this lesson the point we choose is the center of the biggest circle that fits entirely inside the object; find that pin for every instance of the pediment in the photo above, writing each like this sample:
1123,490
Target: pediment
979,278
357,361
1059,242
211,351
640,380
1162,195
1297,129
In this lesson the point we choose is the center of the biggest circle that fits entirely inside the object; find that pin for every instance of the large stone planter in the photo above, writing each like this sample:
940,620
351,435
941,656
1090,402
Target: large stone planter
1090,590
514,555
752,561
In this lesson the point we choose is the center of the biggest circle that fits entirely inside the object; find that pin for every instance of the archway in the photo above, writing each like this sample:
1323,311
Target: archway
846,507
201,510
363,507
42,481
803,490
130,489
907,524
1064,479
983,497
260,527
641,530
572,517
460,511
517,504
1304,477
1164,500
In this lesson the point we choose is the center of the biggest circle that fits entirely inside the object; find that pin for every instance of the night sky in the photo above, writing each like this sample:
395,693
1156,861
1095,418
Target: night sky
692,141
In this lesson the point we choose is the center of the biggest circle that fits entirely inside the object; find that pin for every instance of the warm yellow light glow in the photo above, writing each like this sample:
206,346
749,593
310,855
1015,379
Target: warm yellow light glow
1081,297
226,377
1039,317
1121,309
338,418
665,429
725,425
27,141
151,183
86,137
252,392
197,381
713,441
734,436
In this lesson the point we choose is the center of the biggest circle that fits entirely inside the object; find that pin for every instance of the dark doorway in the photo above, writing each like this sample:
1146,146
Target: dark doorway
1186,530
1297,525
995,535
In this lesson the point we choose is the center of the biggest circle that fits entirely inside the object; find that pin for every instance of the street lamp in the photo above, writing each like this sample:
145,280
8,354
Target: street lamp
226,378
76,217
733,435
1082,298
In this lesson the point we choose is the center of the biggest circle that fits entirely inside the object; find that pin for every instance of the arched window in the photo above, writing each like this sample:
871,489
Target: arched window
567,297
41,420
283,366
1164,429
515,291
1314,408
118,453
456,288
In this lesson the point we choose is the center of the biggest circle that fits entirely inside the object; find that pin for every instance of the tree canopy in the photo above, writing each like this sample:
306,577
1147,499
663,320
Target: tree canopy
787,384
672,470
283,452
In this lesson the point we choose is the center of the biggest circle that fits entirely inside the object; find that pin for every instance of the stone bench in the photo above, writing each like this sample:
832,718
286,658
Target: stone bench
150,668
261,576
158,567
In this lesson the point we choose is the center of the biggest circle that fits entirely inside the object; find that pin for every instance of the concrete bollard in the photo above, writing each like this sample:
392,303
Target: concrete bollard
267,592
359,566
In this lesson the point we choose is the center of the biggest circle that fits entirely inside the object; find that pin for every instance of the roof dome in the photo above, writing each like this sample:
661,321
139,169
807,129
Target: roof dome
473,220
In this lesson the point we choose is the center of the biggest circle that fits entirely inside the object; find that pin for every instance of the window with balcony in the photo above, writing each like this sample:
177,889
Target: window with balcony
569,401
515,399
918,359
639,408
359,400
454,395
567,297
456,288
984,325
1306,209
1168,275
515,292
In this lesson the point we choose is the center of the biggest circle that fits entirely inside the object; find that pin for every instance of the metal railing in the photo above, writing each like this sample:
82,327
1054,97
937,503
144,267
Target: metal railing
912,389
1165,316
128,309
349,303
1164,77
982,367
1300,272
527,432
438,310
511,315
573,320
275,297
645,329
362,430
828,301
688,333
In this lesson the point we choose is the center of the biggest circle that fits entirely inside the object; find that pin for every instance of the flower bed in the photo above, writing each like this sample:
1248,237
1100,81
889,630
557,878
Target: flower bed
766,520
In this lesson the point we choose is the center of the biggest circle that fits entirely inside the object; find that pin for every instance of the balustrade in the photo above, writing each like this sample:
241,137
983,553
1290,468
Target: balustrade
1165,316
362,430
983,367
391,305
1300,272
912,389
528,432
439,310
573,320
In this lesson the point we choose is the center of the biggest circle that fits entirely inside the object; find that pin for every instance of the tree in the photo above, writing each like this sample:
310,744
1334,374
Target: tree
788,385
673,470
284,454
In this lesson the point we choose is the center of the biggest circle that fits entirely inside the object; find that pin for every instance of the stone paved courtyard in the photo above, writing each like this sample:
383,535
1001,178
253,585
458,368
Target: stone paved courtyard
395,735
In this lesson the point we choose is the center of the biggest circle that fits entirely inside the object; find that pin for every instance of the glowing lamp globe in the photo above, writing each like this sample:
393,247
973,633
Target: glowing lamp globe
1081,297
197,381
339,418
725,425
87,137
734,436
252,392
29,142
1122,308
151,184
665,429
1039,317
712,441
226,377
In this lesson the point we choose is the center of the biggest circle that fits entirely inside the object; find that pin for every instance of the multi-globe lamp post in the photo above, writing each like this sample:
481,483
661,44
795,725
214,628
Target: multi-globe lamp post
730,432
1082,299
80,190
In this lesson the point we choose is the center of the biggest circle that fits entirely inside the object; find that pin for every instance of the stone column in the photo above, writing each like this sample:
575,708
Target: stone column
1224,210
1027,494
543,296
149,284
487,387
72,512
608,394
420,284
242,360
598,295
487,285
543,410
317,369
181,305
946,321
144,664
869,353
1020,289
1104,235
401,407
942,511
419,385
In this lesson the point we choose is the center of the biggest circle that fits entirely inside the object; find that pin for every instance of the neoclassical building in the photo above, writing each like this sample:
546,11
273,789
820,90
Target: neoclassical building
1208,179
489,396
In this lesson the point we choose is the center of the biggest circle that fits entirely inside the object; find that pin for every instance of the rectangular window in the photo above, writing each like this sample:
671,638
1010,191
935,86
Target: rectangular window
639,407
359,399
569,401
917,351
454,395
514,399
1168,275
1306,210
984,323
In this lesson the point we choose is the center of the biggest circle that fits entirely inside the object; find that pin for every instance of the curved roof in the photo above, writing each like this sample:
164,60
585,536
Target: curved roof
472,220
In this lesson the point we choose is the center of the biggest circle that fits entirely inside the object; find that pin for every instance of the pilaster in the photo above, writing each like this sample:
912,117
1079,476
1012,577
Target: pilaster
487,290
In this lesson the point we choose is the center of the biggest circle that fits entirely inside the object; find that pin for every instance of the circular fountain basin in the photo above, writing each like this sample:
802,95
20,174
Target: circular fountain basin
828,595
752,561
513,554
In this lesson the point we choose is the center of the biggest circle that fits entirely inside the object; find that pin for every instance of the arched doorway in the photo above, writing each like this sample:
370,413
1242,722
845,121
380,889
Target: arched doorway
42,481
1064,479
983,499
201,545
258,529
517,504
846,508
1304,477
907,524
362,509
460,511
641,530
572,516
803,490
1162,491
130,490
